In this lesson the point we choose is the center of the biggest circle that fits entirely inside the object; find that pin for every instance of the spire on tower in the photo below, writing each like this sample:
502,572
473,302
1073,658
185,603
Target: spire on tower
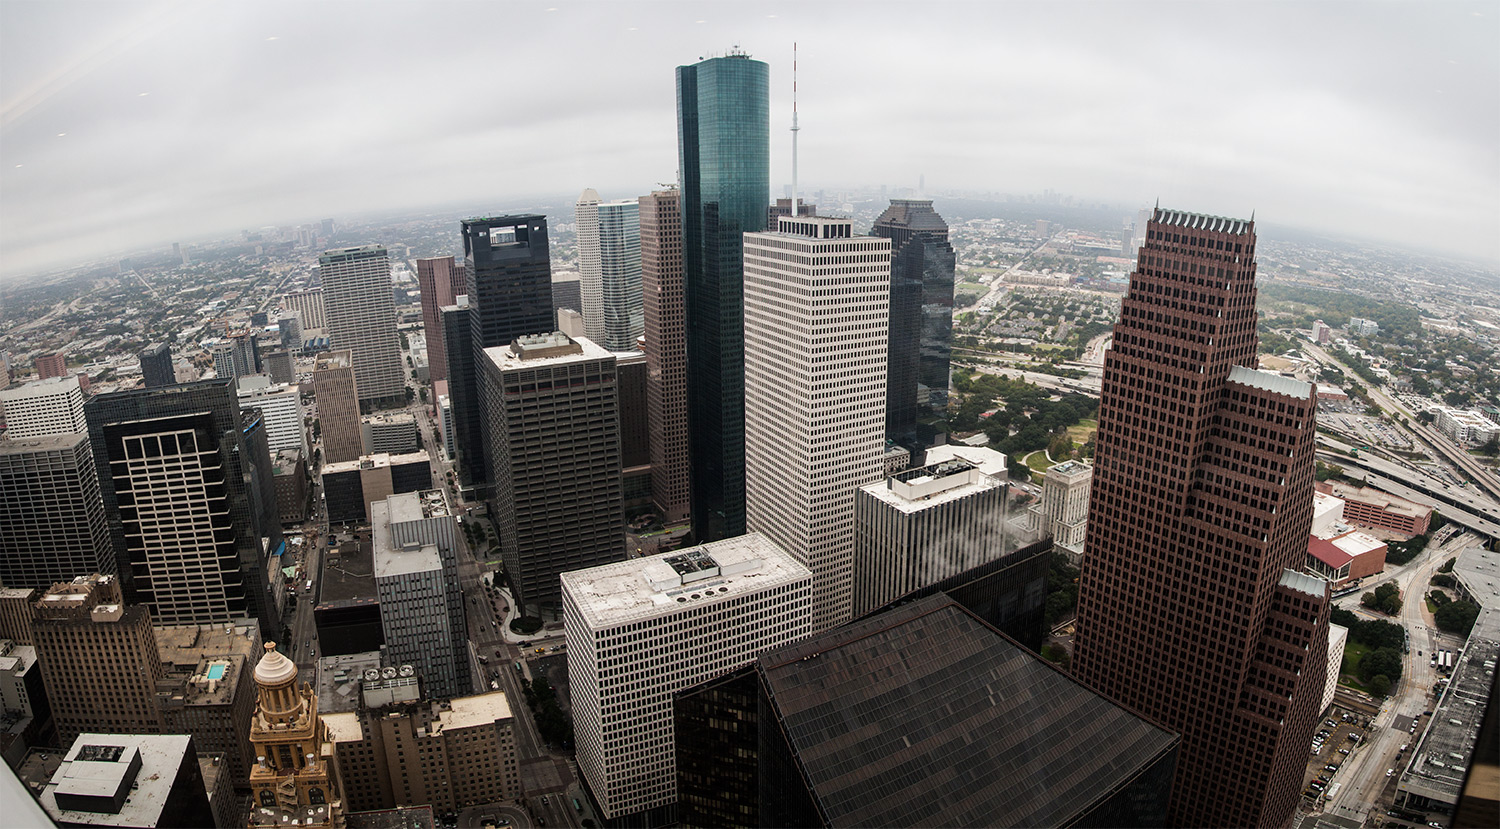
795,211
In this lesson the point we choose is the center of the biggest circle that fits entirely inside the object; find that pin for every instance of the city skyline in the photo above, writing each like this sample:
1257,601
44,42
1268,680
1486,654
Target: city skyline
1335,118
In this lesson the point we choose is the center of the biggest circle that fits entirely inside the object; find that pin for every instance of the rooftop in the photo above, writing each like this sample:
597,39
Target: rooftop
1070,470
891,731
339,678
347,576
717,572
329,360
392,561
1442,757
1273,383
1376,498
45,443
1478,570
937,483
376,461
1202,221
135,771
415,506
401,817
546,350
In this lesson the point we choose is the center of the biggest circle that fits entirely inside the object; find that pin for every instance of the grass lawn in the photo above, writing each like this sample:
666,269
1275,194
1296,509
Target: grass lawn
1349,673
1084,430
1431,608
971,288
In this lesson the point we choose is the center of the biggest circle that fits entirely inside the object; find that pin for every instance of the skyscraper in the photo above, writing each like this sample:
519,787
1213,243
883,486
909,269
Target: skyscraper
43,407
816,303
1191,606
362,319
555,437
438,278
724,151
509,278
309,304
52,525
922,264
298,779
156,365
338,407
666,352
51,365
188,500
609,256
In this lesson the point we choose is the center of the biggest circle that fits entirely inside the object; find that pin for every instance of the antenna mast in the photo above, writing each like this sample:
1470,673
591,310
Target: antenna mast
795,211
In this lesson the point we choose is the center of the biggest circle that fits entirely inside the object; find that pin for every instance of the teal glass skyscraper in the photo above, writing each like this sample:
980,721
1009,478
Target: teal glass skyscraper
724,148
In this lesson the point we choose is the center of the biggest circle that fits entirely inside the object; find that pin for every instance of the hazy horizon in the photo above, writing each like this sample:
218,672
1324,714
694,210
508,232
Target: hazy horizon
131,125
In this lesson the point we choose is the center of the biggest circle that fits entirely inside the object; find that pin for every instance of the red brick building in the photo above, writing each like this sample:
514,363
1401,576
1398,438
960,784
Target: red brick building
1192,609
51,365
1369,507
1345,557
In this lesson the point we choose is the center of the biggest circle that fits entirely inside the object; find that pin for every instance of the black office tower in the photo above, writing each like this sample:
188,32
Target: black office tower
509,273
156,366
724,151
459,353
183,492
922,264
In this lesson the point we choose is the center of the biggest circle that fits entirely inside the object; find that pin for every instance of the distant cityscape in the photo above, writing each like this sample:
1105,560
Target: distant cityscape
709,506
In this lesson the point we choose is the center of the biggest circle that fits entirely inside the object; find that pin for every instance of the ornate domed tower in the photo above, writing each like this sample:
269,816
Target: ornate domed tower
294,781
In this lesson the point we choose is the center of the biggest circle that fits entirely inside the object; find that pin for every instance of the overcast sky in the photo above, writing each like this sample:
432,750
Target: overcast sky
127,124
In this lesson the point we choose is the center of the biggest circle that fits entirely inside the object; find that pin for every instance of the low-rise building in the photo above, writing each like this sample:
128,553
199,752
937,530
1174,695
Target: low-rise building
1370,507
1465,425
1065,506
130,780
25,715
1345,557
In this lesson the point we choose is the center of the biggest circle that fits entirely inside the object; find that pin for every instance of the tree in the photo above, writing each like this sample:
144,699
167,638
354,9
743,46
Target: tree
1457,617
1383,661
1018,469
1326,471
1379,685
1448,565
1369,600
1491,447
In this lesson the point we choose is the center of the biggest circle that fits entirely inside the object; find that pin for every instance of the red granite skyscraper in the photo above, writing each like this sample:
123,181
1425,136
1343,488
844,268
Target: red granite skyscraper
440,280
1191,609
666,351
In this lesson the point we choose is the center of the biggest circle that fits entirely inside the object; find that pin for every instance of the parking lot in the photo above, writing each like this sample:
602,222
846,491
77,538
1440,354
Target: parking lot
1339,735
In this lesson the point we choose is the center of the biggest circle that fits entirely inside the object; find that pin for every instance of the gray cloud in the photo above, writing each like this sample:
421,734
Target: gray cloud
1380,120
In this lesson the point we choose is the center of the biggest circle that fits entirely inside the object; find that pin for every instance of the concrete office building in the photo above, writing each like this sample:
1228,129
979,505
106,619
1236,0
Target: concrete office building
921,715
816,313
156,365
445,417
666,352
1192,608
298,779
509,273
927,524
440,280
362,320
609,258
555,435
638,631
99,658
424,517
131,781
289,477
451,756
1065,506
187,489
289,326
921,313
635,432
393,434
15,613
461,389
281,366
338,406
51,365
281,407
223,357
43,407
52,522
25,714
352,486
724,160
208,691
309,306
411,581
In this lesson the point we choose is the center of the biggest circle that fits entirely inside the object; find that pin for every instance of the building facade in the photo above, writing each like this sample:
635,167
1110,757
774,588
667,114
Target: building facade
281,407
156,365
44,407
338,406
395,434
99,658
130,780
816,306
927,524
724,150
1369,507
660,216
440,280
555,427
921,315
410,582
52,523
309,305
51,365
1065,506
640,630
187,490
609,259
362,319
509,272
1190,607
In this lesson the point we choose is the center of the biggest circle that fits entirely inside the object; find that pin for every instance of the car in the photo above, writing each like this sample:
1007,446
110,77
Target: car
1344,751
1329,723
541,650
1389,772
1330,767
544,800
499,652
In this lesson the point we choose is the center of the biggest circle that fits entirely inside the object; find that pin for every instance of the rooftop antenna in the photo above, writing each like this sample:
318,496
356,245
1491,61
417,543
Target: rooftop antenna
795,211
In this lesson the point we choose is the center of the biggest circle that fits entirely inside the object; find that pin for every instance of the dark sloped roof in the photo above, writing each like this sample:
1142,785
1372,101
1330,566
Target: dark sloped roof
916,214
926,716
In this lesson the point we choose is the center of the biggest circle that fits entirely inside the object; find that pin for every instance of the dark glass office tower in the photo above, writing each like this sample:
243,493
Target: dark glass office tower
921,337
724,147
181,472
508,273
156,366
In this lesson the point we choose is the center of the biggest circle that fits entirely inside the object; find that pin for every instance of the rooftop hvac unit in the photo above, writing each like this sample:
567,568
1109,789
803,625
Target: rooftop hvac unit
388,673
407,670
372,674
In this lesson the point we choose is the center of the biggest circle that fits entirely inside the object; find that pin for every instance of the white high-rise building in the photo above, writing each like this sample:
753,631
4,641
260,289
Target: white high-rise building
817,302
309,306
280,407
43,407
361,312
641,630
923,525
609,257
